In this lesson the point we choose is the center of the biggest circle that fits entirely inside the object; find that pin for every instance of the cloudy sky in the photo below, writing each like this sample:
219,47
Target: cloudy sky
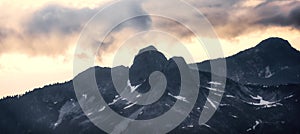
38,38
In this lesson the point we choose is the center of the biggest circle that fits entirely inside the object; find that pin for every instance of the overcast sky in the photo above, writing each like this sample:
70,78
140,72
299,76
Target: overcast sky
38,38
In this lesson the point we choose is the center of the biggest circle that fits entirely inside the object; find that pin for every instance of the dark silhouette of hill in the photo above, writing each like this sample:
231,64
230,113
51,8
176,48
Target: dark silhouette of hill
272,62
245,108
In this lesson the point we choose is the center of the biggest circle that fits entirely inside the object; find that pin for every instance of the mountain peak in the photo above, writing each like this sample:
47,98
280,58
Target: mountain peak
274,43
145,62
149,48
272,62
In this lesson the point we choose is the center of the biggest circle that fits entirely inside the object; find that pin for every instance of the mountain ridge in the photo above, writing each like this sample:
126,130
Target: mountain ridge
262,64
243,109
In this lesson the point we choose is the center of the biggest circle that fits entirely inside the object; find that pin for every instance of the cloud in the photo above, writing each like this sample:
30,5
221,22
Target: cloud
230,19
135,24
51,45
53,29
234,20
117,19
3,34
49,31
291,18
55,18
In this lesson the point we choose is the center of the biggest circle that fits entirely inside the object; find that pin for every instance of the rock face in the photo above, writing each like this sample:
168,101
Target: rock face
272,62
243,109
147,61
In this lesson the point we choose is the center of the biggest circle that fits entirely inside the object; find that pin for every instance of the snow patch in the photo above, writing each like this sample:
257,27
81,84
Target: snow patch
206,125
222,105
101,109
254,126
287,97
211,103
132,104
214,83
268,72
214,89
84,96
141,112
167,105
66,109
114,101
234,116
56,124
179,98
132,88
218,94
230,96
262,102
88,114
190,126
285,67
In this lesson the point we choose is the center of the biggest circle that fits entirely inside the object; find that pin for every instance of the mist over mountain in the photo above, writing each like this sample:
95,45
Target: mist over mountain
272,62
254,101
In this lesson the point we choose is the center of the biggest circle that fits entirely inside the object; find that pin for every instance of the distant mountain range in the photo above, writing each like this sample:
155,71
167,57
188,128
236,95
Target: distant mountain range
261,95
272,62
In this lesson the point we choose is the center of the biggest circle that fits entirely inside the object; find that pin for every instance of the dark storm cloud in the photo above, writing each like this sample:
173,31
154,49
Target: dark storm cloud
124,28
68,20
139,23
58,18
232,18
171,26
49,30
133,7
55,18
283,19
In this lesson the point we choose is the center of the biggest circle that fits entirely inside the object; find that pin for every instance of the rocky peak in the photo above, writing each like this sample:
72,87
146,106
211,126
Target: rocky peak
147,61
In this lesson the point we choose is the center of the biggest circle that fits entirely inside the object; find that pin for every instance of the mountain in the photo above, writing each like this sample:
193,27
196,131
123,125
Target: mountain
243,108
272,62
